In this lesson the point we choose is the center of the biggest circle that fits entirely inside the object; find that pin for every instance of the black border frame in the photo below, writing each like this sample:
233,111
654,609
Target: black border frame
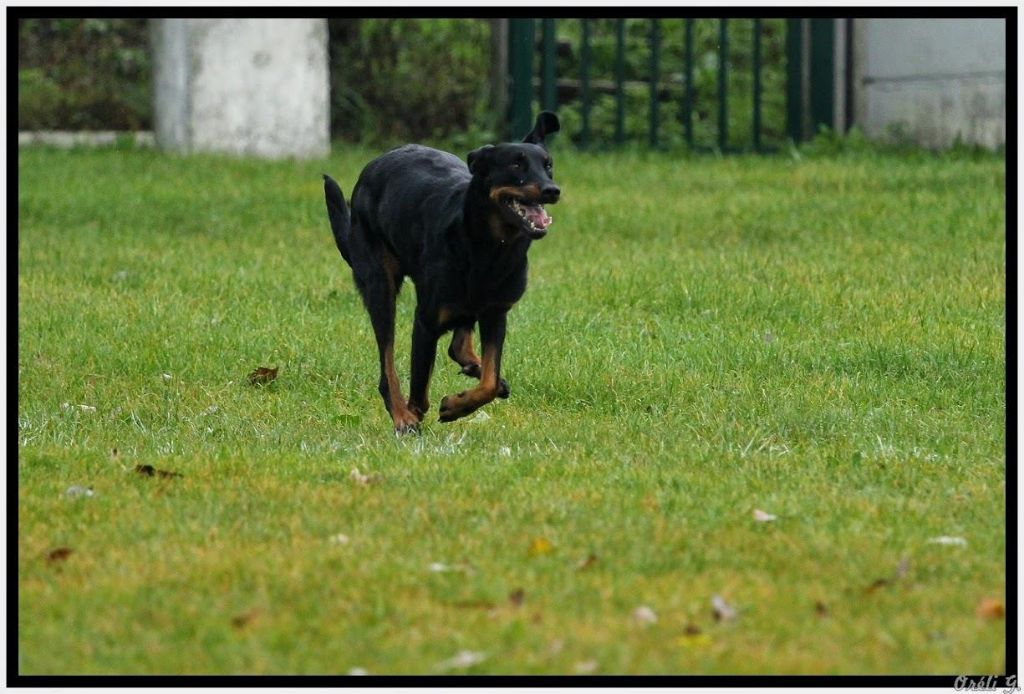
1009,13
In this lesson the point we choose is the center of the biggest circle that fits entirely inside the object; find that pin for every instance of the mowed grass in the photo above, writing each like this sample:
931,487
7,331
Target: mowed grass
818,338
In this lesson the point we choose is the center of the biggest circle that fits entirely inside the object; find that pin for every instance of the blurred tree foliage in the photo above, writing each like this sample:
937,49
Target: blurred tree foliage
401,80
84,74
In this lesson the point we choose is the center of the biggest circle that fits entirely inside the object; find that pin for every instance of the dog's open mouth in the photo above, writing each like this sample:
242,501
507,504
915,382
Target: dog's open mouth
534,217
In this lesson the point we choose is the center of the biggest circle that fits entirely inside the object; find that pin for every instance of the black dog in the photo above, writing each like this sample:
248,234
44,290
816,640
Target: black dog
461,233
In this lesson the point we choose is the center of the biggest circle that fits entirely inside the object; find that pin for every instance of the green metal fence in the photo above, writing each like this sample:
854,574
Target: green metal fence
799,72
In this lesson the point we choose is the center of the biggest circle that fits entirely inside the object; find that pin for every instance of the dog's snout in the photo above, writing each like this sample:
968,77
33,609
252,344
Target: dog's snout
550,193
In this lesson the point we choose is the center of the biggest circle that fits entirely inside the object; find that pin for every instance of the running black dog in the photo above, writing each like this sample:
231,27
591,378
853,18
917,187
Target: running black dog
461,233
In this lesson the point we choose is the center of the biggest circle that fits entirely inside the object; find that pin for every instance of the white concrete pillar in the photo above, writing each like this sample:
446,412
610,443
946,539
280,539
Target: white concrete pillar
242,86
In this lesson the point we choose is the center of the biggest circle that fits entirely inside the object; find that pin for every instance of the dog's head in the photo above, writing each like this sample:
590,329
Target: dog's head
518,178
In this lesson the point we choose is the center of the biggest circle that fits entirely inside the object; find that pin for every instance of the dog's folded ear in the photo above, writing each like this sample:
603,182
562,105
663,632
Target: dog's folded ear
478,157
547,123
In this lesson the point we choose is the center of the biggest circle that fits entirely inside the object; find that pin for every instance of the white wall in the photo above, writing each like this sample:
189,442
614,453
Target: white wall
933,80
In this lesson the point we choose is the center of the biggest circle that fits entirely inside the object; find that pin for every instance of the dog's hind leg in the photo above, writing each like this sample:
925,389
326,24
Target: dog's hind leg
461,352
378,282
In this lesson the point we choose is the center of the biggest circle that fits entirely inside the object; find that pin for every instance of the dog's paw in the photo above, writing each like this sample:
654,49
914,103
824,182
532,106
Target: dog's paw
503,390
453,407
417,409
406,422
471,370
403,429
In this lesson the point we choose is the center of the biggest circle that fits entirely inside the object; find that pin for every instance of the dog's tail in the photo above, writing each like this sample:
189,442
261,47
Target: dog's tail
337,212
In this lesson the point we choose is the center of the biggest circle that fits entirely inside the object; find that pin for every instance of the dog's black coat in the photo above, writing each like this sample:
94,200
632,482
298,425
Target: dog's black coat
461,233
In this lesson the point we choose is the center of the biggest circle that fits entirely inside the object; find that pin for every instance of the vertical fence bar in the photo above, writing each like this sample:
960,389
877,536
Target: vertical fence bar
655,77
620,76
757,85
688,97
585,82
520,67
723,63
549,95
848,77
794,80
823,75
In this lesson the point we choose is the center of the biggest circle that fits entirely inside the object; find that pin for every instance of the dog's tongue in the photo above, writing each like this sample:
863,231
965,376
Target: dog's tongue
537,215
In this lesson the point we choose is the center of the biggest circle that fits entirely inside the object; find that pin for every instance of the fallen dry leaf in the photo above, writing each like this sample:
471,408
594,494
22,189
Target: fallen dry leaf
262,375
246,618
821,609
991,608
901,572
439,567
516,597
876,584
644,615
59,554
587,563
540,545
462,660
722,610
763,516
339,539
150,471
948,540
364,480
585,667
693,637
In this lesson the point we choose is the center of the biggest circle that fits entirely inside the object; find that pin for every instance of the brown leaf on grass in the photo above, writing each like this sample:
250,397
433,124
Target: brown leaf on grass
58,555
991,608
150,471
902,571
516,597
876,584
821,609
262,375
245,619
587,563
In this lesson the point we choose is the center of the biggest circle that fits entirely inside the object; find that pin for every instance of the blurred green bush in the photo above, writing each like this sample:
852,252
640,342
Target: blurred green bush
400,80
84,74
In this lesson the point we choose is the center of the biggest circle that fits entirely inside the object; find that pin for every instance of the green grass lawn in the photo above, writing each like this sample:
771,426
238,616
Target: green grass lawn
821,339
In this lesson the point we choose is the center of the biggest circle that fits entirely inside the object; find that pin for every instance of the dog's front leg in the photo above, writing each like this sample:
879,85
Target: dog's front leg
424,350
492,337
